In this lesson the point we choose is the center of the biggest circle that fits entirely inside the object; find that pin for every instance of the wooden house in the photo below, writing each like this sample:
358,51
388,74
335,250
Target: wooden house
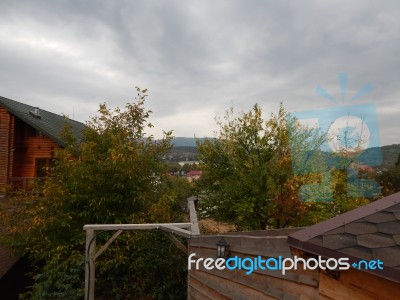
368,233
364,236
28,138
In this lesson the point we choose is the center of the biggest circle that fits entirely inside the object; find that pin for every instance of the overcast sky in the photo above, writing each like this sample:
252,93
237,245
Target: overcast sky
198,58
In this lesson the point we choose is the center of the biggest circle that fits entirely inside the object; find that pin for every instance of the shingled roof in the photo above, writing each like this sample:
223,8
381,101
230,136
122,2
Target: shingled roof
368,232
46,122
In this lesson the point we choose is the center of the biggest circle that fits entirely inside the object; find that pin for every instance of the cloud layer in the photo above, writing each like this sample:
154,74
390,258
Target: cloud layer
198,58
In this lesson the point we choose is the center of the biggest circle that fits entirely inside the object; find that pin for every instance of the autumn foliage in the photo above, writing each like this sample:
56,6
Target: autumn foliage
114,175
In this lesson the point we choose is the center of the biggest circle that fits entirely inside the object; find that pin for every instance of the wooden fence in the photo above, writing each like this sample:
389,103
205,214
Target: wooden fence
261,284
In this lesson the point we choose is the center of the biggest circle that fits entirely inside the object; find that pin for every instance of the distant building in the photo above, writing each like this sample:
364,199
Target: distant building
364,168
193,175
188,162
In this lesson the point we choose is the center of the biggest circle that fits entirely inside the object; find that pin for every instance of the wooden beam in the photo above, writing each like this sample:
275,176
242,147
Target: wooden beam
176,230
177,242
105,246
133,226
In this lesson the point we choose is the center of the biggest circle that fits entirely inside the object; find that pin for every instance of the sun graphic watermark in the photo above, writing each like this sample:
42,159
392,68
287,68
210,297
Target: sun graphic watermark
352,143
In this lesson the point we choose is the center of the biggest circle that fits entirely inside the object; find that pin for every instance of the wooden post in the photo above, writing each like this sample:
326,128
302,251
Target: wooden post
89,265
194,228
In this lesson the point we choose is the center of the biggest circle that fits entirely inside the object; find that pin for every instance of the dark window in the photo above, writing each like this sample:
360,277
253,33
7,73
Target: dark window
43,167
32,132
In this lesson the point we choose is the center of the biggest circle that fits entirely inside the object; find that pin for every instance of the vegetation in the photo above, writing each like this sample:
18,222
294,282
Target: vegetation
390,178
247,172
115,175
255,170
253,178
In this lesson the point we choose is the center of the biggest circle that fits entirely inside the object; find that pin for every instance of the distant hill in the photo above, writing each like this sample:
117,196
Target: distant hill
185,148
185,141
390,154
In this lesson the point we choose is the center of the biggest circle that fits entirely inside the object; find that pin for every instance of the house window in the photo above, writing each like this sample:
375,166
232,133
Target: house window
43,167
32,132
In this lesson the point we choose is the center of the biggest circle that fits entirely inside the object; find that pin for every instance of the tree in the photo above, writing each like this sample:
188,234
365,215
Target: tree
247,170
188,167
115,175
390,178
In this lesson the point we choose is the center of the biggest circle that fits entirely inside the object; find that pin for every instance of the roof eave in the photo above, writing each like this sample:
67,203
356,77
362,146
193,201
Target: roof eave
347,217
387,272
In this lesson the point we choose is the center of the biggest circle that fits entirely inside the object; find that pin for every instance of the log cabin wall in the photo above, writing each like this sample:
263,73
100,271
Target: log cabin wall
29,146
21,146
4,146
261,284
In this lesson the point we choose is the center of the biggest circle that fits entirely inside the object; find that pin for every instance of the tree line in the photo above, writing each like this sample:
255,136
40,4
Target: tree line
117,174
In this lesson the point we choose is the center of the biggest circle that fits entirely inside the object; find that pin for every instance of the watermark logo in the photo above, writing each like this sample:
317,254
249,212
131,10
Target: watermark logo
351,142
375,264
251,264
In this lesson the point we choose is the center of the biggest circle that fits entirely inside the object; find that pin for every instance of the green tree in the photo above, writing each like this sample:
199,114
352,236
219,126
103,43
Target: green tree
247,170
115,175
390,179
181,190
188,167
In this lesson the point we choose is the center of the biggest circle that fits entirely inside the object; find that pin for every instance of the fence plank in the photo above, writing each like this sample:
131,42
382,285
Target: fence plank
232,291
202,291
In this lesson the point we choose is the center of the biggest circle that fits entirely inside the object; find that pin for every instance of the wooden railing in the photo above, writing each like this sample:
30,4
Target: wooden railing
26,184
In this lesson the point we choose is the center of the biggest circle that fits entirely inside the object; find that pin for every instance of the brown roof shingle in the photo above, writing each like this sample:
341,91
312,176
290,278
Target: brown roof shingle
368,232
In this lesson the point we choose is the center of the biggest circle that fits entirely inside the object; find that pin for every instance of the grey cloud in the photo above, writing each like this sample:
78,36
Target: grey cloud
200,56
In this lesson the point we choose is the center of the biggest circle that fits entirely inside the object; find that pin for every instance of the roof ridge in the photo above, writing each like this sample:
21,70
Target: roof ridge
41,109
49,123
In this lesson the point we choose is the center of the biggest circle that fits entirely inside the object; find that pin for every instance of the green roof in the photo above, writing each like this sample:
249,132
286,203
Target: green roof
48,123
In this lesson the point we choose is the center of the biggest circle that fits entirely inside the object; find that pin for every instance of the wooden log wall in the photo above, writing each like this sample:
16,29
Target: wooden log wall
28,149
4,146
261,284
19,150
